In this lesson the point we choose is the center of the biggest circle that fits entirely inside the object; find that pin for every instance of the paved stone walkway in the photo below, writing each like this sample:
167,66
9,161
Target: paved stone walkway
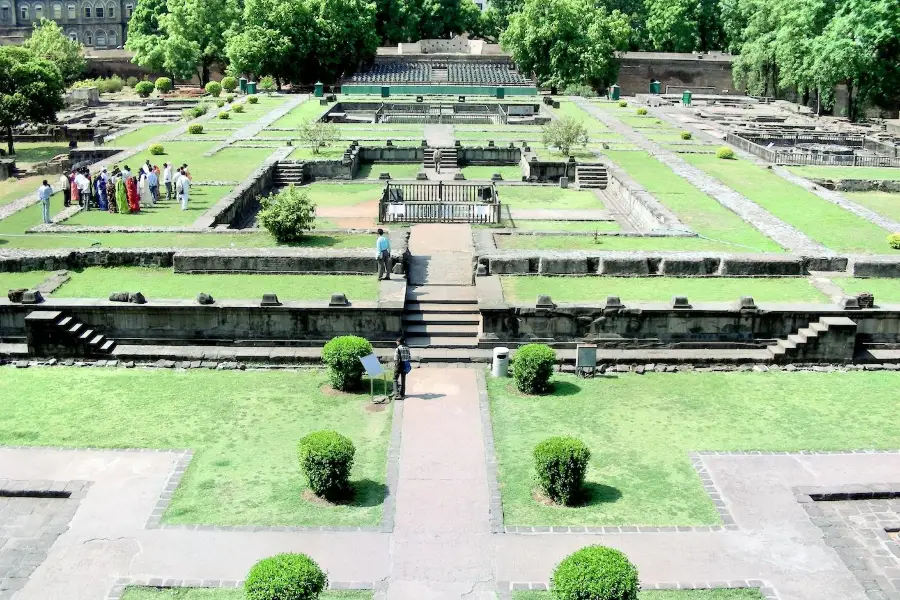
441,254
439,136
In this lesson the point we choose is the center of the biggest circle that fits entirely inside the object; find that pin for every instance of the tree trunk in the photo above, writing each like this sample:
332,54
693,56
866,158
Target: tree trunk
204,76
278,83
9,140
850,108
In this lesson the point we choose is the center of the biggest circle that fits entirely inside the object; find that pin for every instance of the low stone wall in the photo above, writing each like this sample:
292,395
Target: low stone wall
658,325
392,154
232,207
488,155
58,260
640,204
186,322
546,170
859,185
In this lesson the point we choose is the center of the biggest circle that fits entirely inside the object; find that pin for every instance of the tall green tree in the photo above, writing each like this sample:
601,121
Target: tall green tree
673,25
31,90
566,42
345,36
50,42
276,40
146,35
195,33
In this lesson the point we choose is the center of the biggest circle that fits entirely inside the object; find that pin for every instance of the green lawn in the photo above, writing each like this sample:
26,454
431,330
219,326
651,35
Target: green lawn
303,113
13,189
230,164
827,223
148,593
699,212
243,427
33,152
585,154
884,203
548,197
330,153
567,108
822,172
501,138
640,429
583,226
164,213
508,173
587,242
143,134
397,170
637,121
886,291
343,194
661,289
14,281
711,594
165,283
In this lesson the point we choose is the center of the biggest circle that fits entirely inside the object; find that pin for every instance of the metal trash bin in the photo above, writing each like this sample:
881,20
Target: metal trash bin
614,92
243,83
251,87
686,97
654,87
319,90
500,366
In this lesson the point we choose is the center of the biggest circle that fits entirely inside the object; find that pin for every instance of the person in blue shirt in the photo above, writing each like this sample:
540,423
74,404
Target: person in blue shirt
383,255
44,193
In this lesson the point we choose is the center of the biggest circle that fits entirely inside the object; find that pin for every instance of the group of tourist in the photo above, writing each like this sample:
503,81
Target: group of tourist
119,190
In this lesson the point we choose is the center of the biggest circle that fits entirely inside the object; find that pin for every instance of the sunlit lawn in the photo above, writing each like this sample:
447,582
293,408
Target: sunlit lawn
163,213
884,203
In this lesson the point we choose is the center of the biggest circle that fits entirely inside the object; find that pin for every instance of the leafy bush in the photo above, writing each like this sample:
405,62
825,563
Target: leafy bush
144,89
267,83
195,128
229,98
725,152
285,577
252,99
224,115
595,573
560,464
131,82
564,133
104,86
686,135
238,108
585,91
229,83
894,241
156,149
642,111
214,88
622,103
341,355
326,458
532,368
317,134
189,113
163,85
288,215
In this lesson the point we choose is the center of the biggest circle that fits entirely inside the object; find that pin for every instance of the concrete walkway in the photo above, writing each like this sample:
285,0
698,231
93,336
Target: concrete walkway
441,254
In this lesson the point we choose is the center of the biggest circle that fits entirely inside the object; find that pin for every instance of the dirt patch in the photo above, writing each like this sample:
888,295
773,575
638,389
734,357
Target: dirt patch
310,497
330,391
374,408
538,495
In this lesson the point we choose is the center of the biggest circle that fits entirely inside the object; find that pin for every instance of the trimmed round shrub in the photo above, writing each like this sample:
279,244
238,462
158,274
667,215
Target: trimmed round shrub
285,577
532,368
238,108
229,83
725,153
144,89
894,241
195,128
252,99
156,149
267,83
163,85
623,103
686,135
224,115
560,464
341,355
642,111
131,82
326,458
595,573
213,88
229,98
220,103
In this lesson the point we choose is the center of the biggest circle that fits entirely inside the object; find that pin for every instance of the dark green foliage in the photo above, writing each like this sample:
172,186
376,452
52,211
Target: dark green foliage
288,215
894,241
195,128
163,85
595,573
157,149
144,89
532,368
641,111
31,90
341,355
224,115
252,99
686,135
229,83
131,82
285,577
326,458
560,464
214,88
238,108
724,152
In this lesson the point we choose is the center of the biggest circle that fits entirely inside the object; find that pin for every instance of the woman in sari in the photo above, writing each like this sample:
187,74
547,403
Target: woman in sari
134,200
76,197
110,184
121,194
100,191
144,189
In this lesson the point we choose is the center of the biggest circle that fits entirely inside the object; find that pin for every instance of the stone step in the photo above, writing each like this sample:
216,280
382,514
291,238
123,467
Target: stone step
797,339
808,332
470,318
434,331
441,342
86,335
76,328
434,308
442,294
97,340
107,346
65,322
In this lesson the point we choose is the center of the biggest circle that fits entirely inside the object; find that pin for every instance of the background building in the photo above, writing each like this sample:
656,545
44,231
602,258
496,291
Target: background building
94,23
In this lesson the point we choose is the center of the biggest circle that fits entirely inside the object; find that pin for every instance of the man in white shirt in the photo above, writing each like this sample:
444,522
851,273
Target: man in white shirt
167,180
84,189
66,189
185,183
44,193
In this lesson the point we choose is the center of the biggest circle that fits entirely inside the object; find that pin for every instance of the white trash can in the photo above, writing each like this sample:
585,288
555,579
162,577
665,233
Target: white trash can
500,366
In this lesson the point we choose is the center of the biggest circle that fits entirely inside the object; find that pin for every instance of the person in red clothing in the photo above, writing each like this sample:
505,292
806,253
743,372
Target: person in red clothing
131,190
73,187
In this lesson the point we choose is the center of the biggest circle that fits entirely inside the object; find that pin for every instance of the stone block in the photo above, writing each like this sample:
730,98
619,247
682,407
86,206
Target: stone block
865,299
624,266
421,176
614,302
680,302
205,299
762,266
384,175
544,302
32,297
875,267
16,295
481,270
269,300
459,177
137,298
825,263
338,299
849,303
746,303
509,266
496,177
682,267
564,182
118,297
550,265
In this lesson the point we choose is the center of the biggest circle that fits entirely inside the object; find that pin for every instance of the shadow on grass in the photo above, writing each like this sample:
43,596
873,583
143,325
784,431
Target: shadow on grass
597,493
368,493
565,388
316,241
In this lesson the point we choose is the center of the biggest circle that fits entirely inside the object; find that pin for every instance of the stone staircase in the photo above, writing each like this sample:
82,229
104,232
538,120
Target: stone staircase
287,173
449,159
591,176
56,333
830,339
441,317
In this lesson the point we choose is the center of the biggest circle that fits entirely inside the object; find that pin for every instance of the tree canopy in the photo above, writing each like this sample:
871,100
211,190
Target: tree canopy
146,35
50,42
31,90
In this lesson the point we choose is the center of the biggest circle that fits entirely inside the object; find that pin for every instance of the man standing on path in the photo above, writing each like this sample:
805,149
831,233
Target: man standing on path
383,255
153,182
167,179
402,366
66,184
184,184
44,193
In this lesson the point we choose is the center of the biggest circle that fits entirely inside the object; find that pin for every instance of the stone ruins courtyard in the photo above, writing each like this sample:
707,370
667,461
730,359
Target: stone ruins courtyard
744,433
